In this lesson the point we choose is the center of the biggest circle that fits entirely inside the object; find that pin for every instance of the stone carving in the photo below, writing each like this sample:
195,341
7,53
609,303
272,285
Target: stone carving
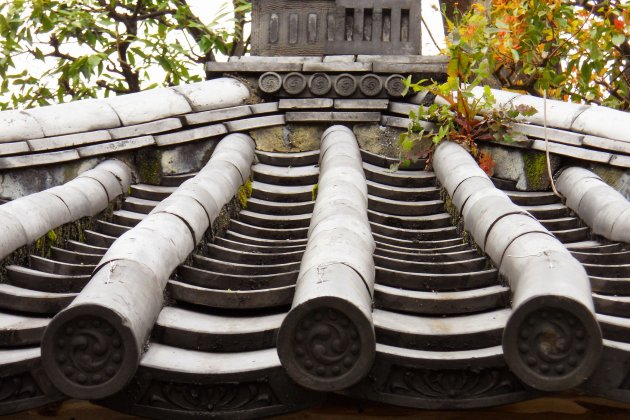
371,85
326,343
449,384
270,82
294,83
552,342
231,396
18,387
335,27
89,351
394,85
345,85
319,84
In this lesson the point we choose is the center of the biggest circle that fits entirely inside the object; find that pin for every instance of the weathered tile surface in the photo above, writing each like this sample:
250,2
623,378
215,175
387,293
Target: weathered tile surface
309,116
402,59
361,103
75,117
603,122
356,116
18,125
13,148
253,66
562,149
337,67
401,108
252,123
264,108
385,67
559,136
68,140
116,146
273,59
218,115
305,103
149,105
340,58
190,135
607,144
559,114
24,161
214,94
152,127
621,161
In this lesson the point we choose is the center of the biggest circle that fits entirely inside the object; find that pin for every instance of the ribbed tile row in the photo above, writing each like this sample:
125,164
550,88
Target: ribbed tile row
440,306
607,263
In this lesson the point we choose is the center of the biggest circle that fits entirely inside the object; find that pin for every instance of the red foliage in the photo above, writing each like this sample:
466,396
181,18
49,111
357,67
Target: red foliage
486,163
619,24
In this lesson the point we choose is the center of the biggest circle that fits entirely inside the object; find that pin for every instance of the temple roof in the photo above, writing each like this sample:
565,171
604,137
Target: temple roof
202,250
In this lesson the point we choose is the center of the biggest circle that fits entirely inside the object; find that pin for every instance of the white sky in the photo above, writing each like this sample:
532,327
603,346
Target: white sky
207,9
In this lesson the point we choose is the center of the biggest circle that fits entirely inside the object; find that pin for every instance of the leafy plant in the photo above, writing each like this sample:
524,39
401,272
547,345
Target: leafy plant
59,50
576,50
459,114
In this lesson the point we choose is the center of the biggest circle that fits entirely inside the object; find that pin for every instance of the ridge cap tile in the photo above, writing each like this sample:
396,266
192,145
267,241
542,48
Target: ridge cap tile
75,117
18,125
149,105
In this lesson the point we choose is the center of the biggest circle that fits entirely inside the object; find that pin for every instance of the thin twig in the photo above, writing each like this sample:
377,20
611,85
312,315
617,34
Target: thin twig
430,34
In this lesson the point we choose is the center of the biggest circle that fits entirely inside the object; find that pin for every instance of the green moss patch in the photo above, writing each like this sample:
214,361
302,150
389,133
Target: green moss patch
148,163
536,170
244,193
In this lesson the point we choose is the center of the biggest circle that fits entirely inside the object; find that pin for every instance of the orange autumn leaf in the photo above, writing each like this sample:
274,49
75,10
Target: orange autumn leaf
619,24
486,163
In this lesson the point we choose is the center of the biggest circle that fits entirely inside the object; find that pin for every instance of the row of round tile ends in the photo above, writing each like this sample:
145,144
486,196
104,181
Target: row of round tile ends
320,84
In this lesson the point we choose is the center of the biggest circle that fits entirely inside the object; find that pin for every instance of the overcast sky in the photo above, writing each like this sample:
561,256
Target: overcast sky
207,9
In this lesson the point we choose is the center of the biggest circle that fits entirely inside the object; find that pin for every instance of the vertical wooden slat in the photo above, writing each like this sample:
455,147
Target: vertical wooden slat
368,25
404,25
395,26
377,25
274,28
293,28
358,24
312,28
387,25
349,25
330,27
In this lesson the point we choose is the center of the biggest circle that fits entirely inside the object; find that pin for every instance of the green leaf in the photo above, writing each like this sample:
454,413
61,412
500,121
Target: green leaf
586,73
618,39
455,37
407,144
47,24
94,60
